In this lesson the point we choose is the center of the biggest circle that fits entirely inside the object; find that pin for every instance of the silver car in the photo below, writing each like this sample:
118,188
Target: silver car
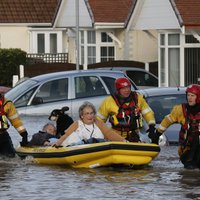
141,77
162,100
41,94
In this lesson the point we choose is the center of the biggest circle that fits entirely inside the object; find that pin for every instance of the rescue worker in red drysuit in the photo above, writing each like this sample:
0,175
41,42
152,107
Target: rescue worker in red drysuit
125,110
9,112
188,115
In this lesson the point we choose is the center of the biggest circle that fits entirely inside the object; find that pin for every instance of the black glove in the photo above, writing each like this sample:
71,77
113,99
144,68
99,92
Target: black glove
153,134
155,137
24,141
151,130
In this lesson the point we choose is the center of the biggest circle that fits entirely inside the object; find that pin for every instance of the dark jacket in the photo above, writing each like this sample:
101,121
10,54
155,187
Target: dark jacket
38,139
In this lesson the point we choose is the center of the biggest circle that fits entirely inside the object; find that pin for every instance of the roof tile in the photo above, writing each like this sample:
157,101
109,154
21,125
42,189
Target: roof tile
110,11
27,11
189,11
103,11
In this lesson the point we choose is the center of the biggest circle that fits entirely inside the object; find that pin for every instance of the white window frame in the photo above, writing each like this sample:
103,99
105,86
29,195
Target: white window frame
187,45
166,46
33,40
98,46
181,47
104,44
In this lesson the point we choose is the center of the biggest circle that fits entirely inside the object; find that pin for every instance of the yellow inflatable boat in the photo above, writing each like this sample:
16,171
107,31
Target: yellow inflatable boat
93,155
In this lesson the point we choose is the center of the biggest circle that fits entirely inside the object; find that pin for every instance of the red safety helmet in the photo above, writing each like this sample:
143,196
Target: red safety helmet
194,89
122,82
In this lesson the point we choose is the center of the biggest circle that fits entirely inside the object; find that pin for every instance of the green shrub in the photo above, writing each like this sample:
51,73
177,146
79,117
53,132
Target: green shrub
10,59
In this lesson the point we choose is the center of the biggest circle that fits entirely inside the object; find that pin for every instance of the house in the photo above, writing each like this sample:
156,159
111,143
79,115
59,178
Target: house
167,31
177,24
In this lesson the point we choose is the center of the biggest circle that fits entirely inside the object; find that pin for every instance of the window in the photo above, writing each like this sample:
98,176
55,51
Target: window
107,49
174,39
53,43
24,99
88,47
174,69
46,42
169,59
162,67
53,91
190,39
41,43
162,39
91,55
88,86
107,54
91,37
110,83
191,60
192,66
162,105
142,78
95,47
105,37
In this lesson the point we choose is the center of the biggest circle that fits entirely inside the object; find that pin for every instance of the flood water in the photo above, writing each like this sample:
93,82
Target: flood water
164,178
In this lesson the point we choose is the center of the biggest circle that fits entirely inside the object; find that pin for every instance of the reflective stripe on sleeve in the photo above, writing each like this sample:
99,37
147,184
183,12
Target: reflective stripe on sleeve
152,122
20,128
169,118
162,128
146,111
101,116
14,116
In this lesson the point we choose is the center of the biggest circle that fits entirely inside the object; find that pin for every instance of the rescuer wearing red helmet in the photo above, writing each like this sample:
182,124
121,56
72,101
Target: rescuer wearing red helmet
125,109
188,115
9,112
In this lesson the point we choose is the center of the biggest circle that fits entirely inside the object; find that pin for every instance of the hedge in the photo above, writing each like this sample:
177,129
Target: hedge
10,59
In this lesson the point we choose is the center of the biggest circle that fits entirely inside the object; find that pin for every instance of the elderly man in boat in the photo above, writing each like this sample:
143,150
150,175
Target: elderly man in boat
87,129
46,137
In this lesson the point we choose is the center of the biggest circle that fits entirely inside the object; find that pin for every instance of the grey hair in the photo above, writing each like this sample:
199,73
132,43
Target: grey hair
47,125
84,105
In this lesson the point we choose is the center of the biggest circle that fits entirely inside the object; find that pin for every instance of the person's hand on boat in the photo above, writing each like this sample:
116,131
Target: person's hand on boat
57,144
54,145
24,141
155,137
152,134
151,129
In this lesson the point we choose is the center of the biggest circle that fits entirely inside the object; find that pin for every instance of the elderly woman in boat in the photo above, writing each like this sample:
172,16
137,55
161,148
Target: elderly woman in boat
87,129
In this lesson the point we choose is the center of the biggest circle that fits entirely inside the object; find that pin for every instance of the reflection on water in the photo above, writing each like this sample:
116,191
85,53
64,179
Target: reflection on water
164,178
20,180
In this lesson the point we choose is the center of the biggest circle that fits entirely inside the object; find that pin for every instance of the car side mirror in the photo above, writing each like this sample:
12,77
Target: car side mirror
37,100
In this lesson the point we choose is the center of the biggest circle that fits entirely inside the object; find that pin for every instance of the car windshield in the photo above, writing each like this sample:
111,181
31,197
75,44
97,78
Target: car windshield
19,89
162,105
